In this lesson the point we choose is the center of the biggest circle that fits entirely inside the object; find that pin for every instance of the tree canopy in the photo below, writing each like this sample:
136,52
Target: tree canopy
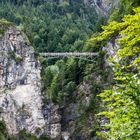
123,98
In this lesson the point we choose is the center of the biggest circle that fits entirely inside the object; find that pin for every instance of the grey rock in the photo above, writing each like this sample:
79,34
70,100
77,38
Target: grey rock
21,105
103,7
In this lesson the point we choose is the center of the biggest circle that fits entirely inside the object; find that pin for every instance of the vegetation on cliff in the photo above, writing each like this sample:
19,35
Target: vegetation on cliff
123,98
23,135
67,26
4,24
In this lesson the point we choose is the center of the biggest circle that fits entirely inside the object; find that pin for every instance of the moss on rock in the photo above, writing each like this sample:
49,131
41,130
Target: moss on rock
4,24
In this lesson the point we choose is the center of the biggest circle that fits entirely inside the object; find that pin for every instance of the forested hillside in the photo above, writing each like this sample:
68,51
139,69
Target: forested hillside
52,25
97,97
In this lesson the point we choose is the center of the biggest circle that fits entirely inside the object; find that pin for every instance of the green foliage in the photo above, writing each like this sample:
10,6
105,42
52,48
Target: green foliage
50,25
19,59
3,132
60,79
3,25
23,135
125,7
122,100
1,31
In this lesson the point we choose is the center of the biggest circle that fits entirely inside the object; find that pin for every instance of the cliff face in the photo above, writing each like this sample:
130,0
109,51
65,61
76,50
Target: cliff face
21,105
103,7
20,84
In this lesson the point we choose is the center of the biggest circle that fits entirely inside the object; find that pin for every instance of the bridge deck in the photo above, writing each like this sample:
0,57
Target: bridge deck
66,54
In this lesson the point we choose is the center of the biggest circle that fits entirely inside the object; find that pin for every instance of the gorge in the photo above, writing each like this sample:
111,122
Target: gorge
71,97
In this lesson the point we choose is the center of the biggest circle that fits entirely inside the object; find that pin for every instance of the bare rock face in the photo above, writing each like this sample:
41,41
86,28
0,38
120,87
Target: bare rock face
20,84
21,105
103,7
52,120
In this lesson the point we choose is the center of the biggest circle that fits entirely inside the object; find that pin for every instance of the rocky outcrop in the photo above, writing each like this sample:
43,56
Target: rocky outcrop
103,7
20,84
52,120
110,51
21,105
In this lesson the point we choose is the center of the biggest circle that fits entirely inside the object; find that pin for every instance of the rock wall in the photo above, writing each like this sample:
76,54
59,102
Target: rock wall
20,84
21,100
21,105
103,7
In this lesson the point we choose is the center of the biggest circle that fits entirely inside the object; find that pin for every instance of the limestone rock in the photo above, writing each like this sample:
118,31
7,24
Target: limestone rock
20,84
103,7
52,119
21,104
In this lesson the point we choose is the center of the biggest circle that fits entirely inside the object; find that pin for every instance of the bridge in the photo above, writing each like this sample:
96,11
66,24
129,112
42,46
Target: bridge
67,54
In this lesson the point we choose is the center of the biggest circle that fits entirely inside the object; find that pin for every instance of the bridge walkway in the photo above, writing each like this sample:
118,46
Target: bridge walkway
67,54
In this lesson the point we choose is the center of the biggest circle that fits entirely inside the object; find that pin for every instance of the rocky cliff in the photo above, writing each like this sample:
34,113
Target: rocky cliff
103,7
20,84
21,105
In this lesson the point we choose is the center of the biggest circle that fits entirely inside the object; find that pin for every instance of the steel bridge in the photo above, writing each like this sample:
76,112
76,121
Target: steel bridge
67,54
